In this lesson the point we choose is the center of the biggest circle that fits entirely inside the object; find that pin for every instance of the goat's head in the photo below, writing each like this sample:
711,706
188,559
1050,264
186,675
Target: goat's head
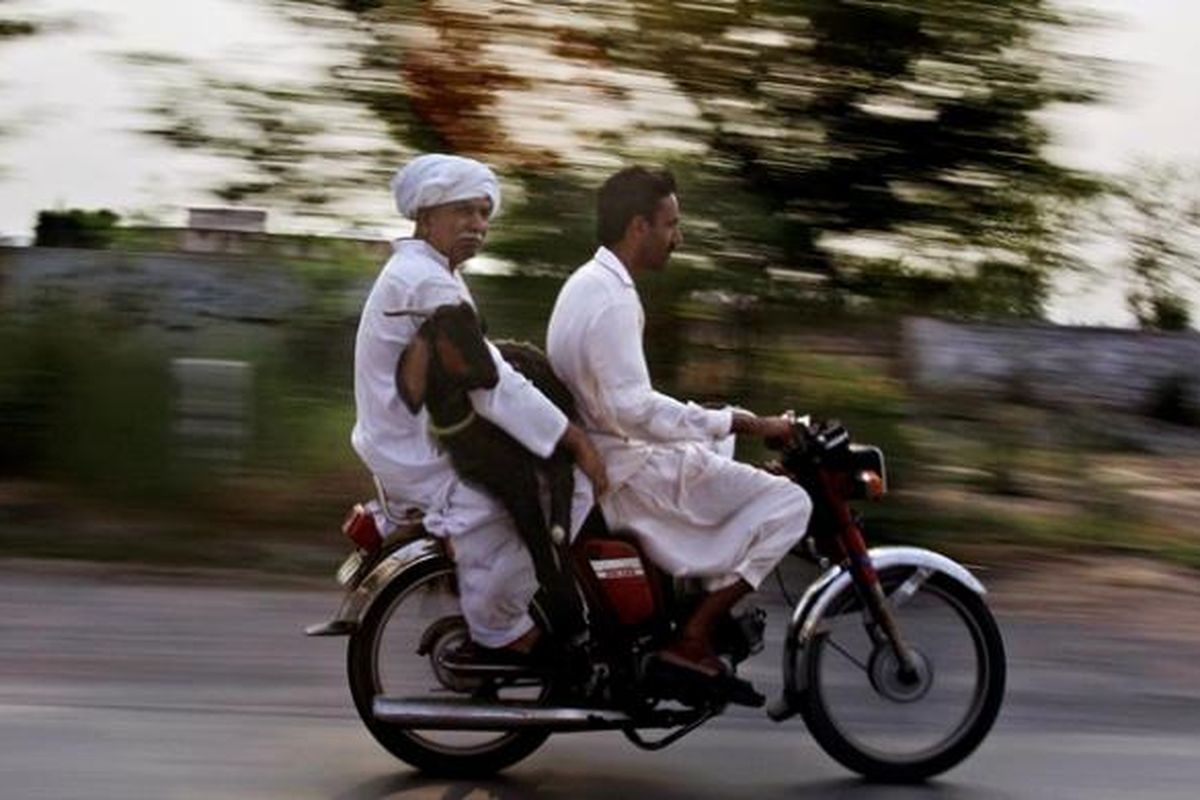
448,354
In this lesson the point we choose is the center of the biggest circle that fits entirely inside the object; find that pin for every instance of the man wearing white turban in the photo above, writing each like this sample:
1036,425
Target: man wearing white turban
452,199
434,180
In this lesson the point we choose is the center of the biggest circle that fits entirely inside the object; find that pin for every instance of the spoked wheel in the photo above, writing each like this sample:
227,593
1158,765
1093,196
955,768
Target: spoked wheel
395,652
891,726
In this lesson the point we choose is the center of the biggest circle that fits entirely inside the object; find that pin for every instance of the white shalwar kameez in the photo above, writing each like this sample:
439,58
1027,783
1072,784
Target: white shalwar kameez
495,573
672,479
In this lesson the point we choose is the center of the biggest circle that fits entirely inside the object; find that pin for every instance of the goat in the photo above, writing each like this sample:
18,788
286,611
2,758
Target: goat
449,358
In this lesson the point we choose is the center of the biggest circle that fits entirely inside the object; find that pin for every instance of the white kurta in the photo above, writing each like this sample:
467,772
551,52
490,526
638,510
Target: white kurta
695,510
496,577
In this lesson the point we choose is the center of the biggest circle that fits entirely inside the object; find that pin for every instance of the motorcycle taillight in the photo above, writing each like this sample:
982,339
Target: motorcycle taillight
360,528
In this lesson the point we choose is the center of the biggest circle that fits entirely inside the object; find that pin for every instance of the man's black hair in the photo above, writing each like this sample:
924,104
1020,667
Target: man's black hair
632,192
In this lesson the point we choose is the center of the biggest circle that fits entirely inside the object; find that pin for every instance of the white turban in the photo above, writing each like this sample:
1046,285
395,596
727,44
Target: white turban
434,179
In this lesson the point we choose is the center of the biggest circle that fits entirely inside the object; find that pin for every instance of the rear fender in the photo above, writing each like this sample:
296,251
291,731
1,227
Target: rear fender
813,606
360,596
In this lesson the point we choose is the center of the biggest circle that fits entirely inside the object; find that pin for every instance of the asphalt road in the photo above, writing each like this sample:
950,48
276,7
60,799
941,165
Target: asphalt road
118,685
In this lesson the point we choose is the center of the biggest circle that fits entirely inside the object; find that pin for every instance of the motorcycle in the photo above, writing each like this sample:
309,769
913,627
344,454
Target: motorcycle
891,657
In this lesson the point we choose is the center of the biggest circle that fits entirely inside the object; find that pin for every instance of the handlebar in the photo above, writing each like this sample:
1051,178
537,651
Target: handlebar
825,445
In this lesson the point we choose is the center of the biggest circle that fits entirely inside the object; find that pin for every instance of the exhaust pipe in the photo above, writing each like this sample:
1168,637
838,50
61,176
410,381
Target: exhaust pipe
473,715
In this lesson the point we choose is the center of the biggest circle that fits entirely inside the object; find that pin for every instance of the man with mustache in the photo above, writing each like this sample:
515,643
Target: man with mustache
696,512
453,199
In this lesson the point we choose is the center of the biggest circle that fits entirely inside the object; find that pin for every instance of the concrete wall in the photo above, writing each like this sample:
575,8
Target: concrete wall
171,291
1115,368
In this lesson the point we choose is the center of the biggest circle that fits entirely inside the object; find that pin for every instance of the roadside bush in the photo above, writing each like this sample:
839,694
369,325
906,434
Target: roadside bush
84,402
75,228
1169,312
1171,401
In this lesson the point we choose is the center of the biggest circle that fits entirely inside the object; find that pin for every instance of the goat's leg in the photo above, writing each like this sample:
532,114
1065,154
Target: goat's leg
561,473
520,497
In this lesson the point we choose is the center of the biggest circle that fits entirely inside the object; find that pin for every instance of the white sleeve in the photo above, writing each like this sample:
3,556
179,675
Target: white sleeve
517,406
618,364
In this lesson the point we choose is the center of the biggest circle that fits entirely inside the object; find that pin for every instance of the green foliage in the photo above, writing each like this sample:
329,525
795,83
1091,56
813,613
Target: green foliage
83,401
996,290
1006,290
549,227
88,401
76,228
853,390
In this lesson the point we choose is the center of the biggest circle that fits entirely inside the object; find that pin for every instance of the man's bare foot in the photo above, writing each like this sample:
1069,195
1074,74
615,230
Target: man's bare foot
698,674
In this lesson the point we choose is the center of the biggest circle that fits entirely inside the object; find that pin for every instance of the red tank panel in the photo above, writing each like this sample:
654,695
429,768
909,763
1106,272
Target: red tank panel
624,579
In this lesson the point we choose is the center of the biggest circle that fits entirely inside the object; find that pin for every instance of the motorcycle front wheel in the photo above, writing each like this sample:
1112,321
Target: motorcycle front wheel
890,727
394,653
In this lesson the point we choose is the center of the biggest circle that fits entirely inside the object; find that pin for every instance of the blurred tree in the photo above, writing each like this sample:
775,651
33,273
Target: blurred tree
1157,218
815,122
908,118
12,28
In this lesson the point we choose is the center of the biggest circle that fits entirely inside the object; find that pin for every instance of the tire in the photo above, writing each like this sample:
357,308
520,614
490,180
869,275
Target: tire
420,601
950,627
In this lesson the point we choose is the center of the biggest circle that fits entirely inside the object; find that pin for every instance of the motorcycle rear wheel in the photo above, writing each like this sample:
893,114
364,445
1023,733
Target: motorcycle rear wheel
382,659
883,728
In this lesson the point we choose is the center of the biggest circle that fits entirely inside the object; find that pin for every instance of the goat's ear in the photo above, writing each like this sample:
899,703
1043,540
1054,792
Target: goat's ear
412,373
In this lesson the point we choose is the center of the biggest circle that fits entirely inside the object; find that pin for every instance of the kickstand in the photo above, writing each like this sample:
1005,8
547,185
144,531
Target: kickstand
674,736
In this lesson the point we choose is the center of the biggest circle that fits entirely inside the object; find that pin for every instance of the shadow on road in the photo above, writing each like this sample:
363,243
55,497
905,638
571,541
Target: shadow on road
562,786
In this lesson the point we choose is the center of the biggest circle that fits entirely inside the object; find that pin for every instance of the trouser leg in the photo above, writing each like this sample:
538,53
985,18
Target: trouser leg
496,583
780,515
700,515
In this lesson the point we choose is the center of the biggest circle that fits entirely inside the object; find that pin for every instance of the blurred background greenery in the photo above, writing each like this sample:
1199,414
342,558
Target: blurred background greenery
842,164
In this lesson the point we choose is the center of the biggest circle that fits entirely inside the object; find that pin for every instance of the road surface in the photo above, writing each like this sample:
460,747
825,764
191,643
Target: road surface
128,685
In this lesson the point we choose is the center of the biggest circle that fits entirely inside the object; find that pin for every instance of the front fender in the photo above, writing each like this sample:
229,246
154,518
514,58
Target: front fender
356,601
811,609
